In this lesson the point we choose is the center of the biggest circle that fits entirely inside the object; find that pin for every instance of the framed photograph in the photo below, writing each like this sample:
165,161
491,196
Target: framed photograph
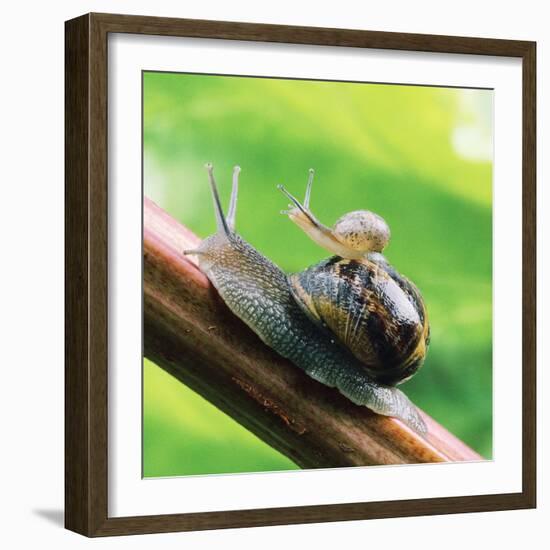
358,340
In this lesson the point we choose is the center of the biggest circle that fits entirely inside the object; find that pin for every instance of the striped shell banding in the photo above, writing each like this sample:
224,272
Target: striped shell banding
375,312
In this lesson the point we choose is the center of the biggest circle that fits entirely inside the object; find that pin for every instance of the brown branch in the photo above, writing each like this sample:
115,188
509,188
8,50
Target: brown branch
190,333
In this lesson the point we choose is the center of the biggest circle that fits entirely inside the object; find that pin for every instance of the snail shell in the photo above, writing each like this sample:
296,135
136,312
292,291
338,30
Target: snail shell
362,231
372,310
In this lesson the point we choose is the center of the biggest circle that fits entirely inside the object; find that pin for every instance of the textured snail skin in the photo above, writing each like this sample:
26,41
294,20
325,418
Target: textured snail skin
258,292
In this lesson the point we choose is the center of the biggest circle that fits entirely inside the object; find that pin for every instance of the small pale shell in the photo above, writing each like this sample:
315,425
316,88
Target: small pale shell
362,230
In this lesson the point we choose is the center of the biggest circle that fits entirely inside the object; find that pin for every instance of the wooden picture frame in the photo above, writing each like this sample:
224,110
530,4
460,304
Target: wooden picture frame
86,283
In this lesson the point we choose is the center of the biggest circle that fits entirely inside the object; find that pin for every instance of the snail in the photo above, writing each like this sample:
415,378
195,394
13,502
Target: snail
351,321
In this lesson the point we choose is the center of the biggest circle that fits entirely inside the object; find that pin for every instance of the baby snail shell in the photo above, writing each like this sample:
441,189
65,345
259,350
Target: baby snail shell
350,322
374,311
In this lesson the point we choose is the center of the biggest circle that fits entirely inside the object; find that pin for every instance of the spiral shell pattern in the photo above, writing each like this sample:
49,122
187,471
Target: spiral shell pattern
371,309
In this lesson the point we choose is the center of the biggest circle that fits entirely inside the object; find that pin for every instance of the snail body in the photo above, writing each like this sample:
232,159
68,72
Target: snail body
352,323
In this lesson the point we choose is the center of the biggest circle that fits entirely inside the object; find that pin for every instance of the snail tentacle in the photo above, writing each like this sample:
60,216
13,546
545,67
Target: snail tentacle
308,188
232,211
221,222
304,208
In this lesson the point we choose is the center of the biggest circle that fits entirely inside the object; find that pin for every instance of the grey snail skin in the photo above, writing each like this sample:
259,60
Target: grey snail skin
351,321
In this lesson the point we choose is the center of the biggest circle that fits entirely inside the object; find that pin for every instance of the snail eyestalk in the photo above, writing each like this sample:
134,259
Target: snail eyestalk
294,200
221,222
308,188
231,213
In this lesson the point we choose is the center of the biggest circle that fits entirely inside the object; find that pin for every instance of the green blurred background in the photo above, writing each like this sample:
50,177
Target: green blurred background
419,156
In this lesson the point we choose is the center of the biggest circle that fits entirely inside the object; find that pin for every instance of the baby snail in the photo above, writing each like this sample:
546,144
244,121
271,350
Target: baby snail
351,321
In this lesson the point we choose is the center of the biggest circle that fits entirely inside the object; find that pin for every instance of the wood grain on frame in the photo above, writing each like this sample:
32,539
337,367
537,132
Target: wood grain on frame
86,427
